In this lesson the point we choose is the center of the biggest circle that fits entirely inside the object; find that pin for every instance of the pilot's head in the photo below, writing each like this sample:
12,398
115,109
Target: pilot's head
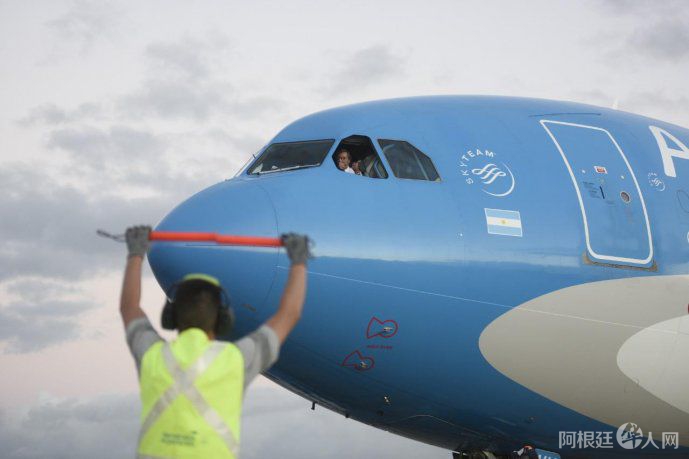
344,158
199,301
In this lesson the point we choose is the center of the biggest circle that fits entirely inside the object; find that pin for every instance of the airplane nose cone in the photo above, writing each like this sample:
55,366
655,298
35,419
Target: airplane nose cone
246,273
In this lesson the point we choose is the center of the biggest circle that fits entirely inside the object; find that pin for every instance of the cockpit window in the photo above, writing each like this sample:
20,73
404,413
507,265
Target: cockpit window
407,161
291,155
356,155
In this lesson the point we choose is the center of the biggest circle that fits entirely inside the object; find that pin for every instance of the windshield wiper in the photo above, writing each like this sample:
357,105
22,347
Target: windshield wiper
291,168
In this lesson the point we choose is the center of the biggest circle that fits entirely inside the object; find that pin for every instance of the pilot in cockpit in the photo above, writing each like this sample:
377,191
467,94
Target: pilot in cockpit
357,167
344,160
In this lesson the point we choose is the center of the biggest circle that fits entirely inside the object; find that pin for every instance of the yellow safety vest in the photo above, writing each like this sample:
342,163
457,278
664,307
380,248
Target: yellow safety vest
191,397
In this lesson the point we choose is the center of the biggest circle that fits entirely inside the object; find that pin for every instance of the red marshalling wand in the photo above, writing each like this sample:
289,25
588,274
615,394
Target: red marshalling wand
215,237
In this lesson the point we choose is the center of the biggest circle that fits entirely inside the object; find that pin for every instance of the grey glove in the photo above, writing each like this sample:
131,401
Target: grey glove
137,240
297,247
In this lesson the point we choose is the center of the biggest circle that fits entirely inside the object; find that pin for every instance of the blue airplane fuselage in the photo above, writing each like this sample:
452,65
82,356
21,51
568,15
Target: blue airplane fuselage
539,288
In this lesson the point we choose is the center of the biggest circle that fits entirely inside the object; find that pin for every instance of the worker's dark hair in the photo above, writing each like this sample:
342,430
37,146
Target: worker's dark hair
196,305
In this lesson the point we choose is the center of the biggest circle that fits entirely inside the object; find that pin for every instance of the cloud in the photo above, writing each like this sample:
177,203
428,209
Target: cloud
667,39
186,59
189,79
658,30
85,23
659,100
126,161
38,290
246,143
105,177
120,157
24,329
48,228
274,421
271,412
643,7
104,427
366,67
51,114
658,104
41,317
174,99
117,150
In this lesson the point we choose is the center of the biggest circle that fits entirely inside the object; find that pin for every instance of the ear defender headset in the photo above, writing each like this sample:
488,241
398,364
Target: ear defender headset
225,320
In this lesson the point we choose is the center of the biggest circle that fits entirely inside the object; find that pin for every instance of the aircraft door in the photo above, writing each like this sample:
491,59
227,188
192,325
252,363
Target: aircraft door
613,210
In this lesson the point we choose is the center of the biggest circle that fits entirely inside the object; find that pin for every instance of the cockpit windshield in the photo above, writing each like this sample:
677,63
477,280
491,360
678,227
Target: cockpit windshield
288,156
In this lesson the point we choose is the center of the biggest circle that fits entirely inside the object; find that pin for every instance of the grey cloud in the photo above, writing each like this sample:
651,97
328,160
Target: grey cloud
274,421
199,101
98,147
659,30
248,144
41,317
119,155
85,22
659,99
187,80
48,229
170,99
594,97
51,114
652,103
104,427
37,290
188,59
23,330
271,412
658,104
255,106
366,67
182,60
666,39
645,7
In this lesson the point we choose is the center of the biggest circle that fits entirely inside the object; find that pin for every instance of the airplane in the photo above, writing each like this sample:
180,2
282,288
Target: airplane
505,271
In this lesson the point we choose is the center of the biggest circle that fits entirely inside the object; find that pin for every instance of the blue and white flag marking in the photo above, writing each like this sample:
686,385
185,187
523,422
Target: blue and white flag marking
543,454
504,222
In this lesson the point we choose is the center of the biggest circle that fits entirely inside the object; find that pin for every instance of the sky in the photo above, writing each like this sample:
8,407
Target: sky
111,113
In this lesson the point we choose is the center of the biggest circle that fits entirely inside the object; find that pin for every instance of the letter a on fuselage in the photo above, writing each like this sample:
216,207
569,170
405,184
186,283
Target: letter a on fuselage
667,152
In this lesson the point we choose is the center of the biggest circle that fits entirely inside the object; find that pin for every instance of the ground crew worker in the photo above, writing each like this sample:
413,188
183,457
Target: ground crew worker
192,388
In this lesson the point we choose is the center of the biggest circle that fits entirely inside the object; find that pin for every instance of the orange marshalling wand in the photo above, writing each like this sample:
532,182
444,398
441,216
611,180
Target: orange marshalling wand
214,237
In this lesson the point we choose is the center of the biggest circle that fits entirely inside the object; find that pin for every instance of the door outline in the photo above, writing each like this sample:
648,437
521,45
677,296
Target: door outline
581,202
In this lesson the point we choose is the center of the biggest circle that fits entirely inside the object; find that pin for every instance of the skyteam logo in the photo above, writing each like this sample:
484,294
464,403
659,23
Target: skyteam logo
489,173
481,167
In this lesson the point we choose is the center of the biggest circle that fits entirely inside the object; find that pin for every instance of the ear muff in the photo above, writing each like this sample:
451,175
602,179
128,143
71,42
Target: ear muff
225,319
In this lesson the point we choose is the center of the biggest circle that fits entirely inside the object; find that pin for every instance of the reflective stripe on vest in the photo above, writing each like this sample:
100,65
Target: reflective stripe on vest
183,384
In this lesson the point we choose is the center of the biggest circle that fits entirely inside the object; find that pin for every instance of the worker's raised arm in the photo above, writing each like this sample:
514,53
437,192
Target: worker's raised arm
137,245
293,296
